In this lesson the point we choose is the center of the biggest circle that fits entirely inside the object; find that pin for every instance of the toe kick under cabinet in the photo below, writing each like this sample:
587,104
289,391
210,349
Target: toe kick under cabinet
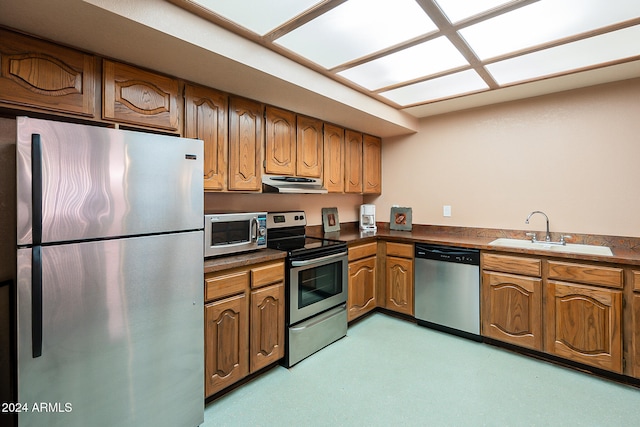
244,322
569,309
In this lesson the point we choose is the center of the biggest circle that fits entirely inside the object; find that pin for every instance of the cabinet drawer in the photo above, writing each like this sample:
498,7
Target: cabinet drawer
267,274
584,273
362,251
222,285
512,264
400,250
636,280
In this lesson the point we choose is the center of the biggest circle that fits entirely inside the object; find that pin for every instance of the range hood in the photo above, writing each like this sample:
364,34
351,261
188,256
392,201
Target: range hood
292,185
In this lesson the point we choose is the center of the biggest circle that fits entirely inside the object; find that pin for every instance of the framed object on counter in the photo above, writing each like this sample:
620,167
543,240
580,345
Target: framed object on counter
330,220
400,219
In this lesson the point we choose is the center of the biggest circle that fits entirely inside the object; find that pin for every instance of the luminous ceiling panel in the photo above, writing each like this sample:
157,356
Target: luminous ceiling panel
357,28
584,53
545,21
457,10
421,60
442,87
258,16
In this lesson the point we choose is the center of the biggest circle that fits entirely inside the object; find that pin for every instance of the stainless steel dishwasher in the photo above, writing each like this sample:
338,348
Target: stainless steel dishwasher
447,289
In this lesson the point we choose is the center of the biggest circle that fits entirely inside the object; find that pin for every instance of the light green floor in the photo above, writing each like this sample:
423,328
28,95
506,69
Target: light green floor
389,372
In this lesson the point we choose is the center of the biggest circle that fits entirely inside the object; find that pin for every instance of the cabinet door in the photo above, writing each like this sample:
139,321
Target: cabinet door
245,144
353,162
512,309
635,335
226,342
372,165
280,142
309,147
399,292
362,287
583,323
333,158
206,119
267,326
139,97
43,75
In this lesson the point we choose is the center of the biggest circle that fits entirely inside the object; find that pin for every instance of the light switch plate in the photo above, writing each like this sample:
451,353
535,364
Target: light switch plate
446,210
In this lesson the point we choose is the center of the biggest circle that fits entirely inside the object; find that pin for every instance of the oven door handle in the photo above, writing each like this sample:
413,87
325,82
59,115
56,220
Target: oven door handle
317,260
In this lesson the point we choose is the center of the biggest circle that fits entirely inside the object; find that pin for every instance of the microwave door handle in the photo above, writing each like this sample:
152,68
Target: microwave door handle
254,229
316,260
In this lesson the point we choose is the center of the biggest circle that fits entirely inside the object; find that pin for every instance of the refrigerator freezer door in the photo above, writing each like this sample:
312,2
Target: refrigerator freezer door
99,182
122,333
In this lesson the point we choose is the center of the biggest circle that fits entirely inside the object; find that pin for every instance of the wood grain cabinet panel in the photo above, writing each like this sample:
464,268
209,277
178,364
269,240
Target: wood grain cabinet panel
206,119
131,95
362,287
267,326
512,264
245,144
43,75
586,273
583,324
635,335
226,342
280,142
353,162
512,309
309,144
399,277
372,165
333,166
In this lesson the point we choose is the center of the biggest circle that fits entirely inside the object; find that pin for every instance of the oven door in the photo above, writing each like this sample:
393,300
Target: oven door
317,285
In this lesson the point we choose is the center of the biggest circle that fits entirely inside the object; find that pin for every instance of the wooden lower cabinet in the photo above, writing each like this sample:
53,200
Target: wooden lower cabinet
583,324
226,342
362,287
512,309
267,326
244,322
634,369
399,278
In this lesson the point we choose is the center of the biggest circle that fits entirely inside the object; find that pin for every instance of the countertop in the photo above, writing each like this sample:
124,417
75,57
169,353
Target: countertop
626,250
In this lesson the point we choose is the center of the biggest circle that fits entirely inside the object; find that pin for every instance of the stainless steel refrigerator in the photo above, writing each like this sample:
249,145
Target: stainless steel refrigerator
109,277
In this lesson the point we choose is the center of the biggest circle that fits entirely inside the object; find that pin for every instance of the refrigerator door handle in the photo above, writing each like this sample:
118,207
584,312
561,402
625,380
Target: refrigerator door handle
36,301
36,192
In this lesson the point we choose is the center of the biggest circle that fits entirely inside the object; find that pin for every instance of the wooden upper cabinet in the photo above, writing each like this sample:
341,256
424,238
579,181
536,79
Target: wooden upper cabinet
372,165
43,75
309,144
280,143
206,119
333,166
139,97
245,144
353,162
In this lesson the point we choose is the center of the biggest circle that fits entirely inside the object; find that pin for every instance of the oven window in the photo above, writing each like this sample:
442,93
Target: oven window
224,233
319,283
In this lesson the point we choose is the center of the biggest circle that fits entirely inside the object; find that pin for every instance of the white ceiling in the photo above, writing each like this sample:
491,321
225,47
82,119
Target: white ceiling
416,53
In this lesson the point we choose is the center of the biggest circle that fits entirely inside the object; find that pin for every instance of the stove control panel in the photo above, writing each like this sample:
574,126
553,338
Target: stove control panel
286,219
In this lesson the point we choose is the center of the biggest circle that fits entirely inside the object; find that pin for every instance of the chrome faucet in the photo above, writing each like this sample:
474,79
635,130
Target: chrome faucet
526,221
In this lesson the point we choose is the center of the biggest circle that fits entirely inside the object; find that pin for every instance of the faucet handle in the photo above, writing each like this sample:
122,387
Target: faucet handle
563,237
533,236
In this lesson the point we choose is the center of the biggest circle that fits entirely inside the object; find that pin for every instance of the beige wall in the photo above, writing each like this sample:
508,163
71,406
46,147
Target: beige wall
348,204
574,155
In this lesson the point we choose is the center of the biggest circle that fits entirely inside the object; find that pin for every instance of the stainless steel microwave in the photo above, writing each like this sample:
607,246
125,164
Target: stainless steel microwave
229,233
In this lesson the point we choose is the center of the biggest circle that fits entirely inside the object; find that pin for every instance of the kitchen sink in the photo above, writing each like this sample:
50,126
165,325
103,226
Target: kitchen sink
568,248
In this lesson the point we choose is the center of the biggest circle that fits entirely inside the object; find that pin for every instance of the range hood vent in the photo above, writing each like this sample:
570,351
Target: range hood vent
292,185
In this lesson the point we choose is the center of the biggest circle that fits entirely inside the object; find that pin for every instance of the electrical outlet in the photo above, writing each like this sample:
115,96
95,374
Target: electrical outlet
446,210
